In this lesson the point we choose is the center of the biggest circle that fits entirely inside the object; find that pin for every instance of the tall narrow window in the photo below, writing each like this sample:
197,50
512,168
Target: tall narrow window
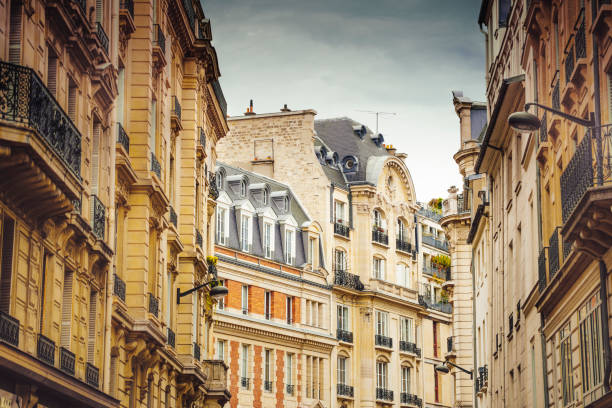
401,231
169,291
267,305
289,247
153,129
609,76
311,251
52,71
379,268
73,93
382,328
221,231
289,302
340,213
436,387
171,179
245,299
406,380
435,339
95,155
339,260
403,275
342,370
289,370
220,350
268,370
195,313
381,375
43,285
244,369
120,95
245,233
407,329
567,382
378,220
91,338
66,310
343,323
99,11
556,34
268,240
15,33
591,349
6,272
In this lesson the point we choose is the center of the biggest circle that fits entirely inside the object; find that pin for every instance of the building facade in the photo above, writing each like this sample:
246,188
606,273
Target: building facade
117,221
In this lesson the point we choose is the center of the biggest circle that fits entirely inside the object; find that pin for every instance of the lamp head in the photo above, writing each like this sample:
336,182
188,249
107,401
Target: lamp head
218,292
442,368
524,121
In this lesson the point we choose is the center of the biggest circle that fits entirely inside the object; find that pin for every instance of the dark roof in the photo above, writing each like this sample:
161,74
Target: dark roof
342,135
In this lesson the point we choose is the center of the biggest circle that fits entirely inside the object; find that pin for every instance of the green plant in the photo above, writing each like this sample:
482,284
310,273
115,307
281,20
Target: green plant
211,260
435,205
441,261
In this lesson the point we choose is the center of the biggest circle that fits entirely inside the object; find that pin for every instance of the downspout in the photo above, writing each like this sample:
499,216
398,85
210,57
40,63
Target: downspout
474,326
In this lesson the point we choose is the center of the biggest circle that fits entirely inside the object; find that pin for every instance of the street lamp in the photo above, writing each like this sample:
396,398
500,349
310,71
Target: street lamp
528,122
443,368
217,291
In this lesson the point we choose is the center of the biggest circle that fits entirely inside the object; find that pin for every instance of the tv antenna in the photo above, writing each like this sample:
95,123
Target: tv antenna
377,115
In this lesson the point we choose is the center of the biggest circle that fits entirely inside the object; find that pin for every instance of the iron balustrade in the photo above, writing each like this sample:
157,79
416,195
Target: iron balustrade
202,137
341,229
159,39
403,246
553,253
378,235
245,382
544,128
153,305
344,335
268,385
173,217
171,338
198,238
438,243
345,390
291,389
556,101
196,351
411,399
426,212
9,329
92,375
155,166
213,191
384,394
347,280
426,300
580,38
26,100
122,138
102,37
98,217
438,272
384,341
45,350
409,347
67,360
542,279
119,287
127,5
176,107
216,86
569,64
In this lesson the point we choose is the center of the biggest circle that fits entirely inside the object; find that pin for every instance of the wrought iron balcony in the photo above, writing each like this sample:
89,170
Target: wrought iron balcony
119,287
580,38
384,394
198,238
410,399
378,235
45,350
428,301
341,229
98,217
348,280
426,212
196,351
122,138
556,101
26,100
384,341
67,360
553,253
9,329
92,375
216,86
344,335
176,107
213,192
153,305
171,338
159,40
245,382
409,347
569,64
290,389
436,271
403,246
173,217
437,243
345,390
127,5
102,37
544,128
268,385
202,138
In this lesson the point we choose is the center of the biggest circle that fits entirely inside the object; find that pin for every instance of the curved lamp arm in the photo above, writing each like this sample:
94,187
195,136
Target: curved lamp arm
588,123
460,368
180,294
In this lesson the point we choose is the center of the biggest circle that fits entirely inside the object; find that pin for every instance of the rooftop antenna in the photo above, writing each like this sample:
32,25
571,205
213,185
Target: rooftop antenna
377,114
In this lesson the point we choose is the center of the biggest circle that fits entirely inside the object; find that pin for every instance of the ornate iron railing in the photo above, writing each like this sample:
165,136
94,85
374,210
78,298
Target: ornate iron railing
176,107
268,385
98,217
127,5
544,128
25,99
384,341
426,212
554,261
102,37
542,279
196,351
384,394
344,335
198,238
580,38
569,64
245,382
346,390
556,100
67,360
92,375
155,166
431,270
438,243
403,246
173,217
159,39
411,399
213,191
119,287
290,389
439,305
202,137
171,338
348,280
122,138
409,347
153,305
341,229
45,350
9,329
216,86
380,236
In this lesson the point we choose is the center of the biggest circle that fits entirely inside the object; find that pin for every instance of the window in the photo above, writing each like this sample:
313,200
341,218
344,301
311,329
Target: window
556,34
343,321
153,131
268,240
311,251
401,231
245,236
267,305
268,370
221,301
591,350
52,71
220,179
245,299
15,34
378,220
289,369
340,260
342,370
244,369
406,380
243,188
220,350
222,230
509,177
407,329
169,291
65,335
382,319
91,328
289,305
289,247
95,155
6,267
566,364
381,375
195,312
436,387
436,345
265,196
504,13
379,269
72,100
340,213
403,275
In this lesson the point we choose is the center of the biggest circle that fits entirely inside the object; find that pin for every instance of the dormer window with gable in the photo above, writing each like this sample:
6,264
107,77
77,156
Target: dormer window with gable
220,180
222,222
246,233
268,239
243,189
290,246
265,197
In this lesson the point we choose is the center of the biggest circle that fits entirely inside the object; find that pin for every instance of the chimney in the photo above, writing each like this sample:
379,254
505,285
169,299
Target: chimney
285,109
249,110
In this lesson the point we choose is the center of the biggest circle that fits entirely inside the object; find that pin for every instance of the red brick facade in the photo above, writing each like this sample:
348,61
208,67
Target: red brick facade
280,378
234,379
256,300
257,377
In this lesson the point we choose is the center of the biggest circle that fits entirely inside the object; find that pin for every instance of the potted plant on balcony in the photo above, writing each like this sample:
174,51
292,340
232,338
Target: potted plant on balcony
440,262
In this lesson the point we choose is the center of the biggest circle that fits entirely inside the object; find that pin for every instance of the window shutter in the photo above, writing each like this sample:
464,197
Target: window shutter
72,100
66,309
15,32
95,157
91,343
6,275
99,11
52,73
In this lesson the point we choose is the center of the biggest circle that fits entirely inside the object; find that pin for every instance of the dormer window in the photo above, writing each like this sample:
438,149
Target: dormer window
268,240
289,246
265,197
286,204
245,233
349,164
220,179
243,189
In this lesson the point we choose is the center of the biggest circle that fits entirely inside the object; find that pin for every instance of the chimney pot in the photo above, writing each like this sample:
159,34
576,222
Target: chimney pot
285,109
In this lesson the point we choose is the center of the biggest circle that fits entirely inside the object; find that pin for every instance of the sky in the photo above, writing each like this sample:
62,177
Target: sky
343,57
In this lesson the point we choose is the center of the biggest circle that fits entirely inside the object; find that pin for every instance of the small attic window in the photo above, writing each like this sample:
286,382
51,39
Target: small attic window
378,139
286,204
220,179
265,196
243,188
359,130
350,164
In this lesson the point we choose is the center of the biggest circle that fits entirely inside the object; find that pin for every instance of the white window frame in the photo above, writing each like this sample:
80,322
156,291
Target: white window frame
378,268
268,366
289,368
289,246
343,317
243,188
311,250
222,219
221,350
382,323
565,357
381,374
340,212
246,232
402,272
591,345
407,329
342,374
340,258
245,299
405,380
244,362
268,239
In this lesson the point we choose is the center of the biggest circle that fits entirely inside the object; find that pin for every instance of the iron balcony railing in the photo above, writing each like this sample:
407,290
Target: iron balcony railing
591,166
26,100
92,375
290,389
122,138
245,382
347,280
216,86
553,253
45,350
344,335
202,137
438,243
98,217
155,166
410,399
67,360
384,394
153,305
345,390
268,385
9,329
198,238
569,64
102,37
119,287
428,302
384,341
426,212
403,246
438,272
379,235
159,40
196,351
173,217
341,229
127,5
556,100
171,338
576,47
409,347
213,191
544,128
176,107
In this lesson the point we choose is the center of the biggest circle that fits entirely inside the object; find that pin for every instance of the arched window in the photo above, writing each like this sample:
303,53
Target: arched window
406,380
220,180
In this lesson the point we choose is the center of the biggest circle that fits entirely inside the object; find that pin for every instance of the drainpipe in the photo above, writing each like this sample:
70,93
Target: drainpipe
474,327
